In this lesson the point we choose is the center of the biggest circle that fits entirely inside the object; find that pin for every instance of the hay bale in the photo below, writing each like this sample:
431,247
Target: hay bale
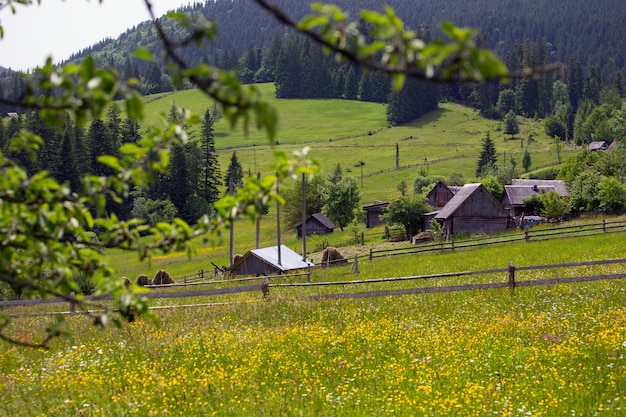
162,277
143,280
331,256
422,237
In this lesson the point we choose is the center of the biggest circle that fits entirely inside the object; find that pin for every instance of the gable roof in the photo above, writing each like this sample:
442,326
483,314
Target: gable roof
377,204
559,186
457,201
516,194
323,220
289,259
462,196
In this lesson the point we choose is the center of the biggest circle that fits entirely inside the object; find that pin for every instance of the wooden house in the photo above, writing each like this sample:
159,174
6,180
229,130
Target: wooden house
269,261
521,189
316,224
514,196
473,209
440,194
373,213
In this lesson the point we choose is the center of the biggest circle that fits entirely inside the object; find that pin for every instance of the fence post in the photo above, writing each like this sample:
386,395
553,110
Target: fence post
526,236
511,276
72,302
308,273
386,232
265,287
362,238
355,265
452,245
371,254
202,274
604,225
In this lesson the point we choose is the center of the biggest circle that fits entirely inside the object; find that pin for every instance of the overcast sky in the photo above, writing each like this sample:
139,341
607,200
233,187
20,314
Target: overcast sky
59,28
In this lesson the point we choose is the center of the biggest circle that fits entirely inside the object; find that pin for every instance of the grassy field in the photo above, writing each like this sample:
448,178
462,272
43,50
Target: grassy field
541,351
345,132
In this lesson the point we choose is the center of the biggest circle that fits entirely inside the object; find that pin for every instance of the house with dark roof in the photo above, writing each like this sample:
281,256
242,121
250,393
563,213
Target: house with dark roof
316,224
514,196
522,189
473,209
373,213
440,195
269,261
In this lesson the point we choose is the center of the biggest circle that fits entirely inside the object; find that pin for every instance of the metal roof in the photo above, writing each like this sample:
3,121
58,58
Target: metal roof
288,258
559,186
518,193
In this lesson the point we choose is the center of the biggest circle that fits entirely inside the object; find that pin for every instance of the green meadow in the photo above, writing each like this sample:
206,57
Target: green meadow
535,351
539,351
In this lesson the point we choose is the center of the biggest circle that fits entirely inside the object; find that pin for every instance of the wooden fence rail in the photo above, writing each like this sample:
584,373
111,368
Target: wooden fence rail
509,273
527,235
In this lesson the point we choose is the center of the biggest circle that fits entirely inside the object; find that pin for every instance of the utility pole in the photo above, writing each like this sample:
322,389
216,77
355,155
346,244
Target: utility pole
278,219
232,224
258,218
303,218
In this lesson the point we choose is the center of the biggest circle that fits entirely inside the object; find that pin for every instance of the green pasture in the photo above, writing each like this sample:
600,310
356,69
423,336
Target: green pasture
345,132
541,351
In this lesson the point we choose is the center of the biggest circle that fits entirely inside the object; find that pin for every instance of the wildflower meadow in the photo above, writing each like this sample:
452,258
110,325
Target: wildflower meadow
541,351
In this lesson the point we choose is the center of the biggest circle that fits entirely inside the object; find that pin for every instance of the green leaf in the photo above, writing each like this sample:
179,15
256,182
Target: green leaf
144,54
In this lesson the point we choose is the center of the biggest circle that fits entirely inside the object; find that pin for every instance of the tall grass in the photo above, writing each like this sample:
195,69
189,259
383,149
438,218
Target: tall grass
541,351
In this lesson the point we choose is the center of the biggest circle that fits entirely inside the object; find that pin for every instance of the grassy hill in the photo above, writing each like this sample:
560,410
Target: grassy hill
345,132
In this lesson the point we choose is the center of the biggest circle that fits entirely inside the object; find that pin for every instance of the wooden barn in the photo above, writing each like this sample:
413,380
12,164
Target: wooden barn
265,261
316,224
473,209
440,194
373,213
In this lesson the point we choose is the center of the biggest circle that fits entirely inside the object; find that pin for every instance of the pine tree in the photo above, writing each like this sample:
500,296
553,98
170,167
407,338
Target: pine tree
235,172
209,165
526,161
510,124
488,157
288,71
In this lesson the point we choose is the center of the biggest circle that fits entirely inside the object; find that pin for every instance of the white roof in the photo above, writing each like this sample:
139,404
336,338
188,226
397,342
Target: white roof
288,258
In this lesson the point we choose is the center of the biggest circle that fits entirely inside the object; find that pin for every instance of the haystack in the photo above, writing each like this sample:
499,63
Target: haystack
331,257
143,280
162,277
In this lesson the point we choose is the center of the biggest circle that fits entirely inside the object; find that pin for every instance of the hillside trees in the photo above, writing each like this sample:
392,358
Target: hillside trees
341,198
48,209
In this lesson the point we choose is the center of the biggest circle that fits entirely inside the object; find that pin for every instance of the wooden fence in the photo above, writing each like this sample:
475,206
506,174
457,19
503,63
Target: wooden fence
508,279
527,235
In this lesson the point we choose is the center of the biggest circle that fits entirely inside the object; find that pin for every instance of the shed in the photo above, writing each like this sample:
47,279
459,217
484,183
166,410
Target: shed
264,261
473,209
559,186
514,196
440,194
598,146
316,223
373,213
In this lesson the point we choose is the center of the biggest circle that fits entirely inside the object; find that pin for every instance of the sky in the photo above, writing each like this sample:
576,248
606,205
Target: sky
59,28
